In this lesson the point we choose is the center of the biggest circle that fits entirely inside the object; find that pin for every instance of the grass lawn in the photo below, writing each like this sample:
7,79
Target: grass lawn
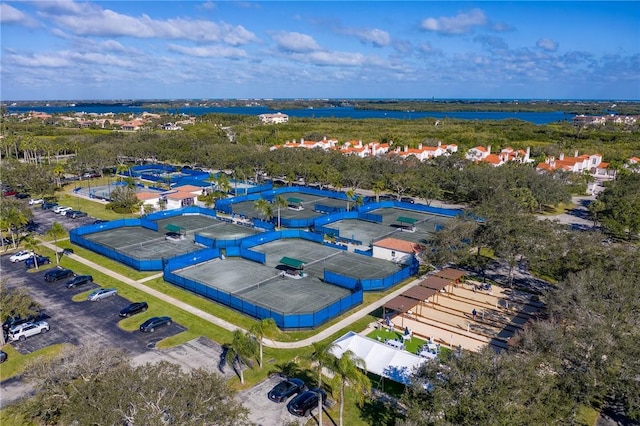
92,208
16,363
557,209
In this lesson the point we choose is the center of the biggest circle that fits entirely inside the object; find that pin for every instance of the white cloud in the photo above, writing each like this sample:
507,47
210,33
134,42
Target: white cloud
11,15
295,42
427,49
461,23
46,61
209,51
547,44
88,19
375,36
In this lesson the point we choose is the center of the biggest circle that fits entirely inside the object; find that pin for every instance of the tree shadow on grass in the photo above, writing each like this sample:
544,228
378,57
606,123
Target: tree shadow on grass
377,412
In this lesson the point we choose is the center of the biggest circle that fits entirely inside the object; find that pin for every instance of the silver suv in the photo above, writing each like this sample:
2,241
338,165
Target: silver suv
28,329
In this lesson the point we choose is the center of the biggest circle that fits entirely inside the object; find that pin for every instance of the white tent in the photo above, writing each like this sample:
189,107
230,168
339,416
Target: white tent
380,359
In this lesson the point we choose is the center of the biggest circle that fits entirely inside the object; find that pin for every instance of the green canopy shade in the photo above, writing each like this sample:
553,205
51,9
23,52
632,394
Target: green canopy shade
173,228
407,220
292,263
292,200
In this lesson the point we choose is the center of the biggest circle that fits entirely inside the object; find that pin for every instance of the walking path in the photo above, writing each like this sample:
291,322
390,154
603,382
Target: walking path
225,324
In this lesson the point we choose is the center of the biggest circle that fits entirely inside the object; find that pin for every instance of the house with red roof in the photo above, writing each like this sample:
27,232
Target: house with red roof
585,163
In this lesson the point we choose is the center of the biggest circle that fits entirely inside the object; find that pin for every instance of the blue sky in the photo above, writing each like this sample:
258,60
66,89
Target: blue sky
62,49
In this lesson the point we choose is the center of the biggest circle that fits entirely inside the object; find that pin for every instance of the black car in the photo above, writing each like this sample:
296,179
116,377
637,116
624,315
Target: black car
22,195
76,214
41,260
12,321
134,308
79,280
407,200
304,403
3,356
150,325
97,221
66,252
48,205
57,274
283,390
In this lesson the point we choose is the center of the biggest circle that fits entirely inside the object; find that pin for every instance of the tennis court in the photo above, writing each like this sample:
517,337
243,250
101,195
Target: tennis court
368,232
317,257
264,286
246,208
206,226
141,243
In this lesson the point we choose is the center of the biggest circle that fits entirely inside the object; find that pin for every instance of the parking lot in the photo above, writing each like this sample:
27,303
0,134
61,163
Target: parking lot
43,220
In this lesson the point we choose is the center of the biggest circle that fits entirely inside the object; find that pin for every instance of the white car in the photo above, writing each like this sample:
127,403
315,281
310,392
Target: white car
21,256
28,329
62,210
34,201
102,293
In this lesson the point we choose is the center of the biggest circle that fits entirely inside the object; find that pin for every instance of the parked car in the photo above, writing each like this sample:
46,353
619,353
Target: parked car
95,222
28,329
302,404
8,192
66,252
133,308
3,356
173,236
60,209
34,201
286,388
66,211
101,293
39,260
57,274
13,321
22,195
407,200
75,214
150,325
20,256
48,205
79,280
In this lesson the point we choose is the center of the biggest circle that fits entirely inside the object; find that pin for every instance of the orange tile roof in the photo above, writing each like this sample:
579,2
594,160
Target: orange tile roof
188,188
399,245
492,159
180,195
142,196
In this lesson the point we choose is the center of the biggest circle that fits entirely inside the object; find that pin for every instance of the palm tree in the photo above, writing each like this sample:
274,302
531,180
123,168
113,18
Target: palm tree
323,358
58,171
263,207
122,168
265,328
378,187
56,231
350,195
14,218
31,244
242,348
279,202
348,370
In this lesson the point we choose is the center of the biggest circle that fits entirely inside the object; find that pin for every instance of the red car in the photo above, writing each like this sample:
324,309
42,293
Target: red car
8,192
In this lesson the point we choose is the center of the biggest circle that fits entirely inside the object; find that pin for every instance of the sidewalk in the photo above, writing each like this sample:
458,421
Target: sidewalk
227,325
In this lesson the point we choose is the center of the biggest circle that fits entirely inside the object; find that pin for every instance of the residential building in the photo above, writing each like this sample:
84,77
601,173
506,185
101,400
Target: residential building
273,118
585,163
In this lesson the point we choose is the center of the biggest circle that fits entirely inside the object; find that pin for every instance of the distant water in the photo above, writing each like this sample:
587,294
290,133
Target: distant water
337,112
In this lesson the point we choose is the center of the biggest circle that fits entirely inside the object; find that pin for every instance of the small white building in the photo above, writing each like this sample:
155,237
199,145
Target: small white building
179,199
396,250
149,198
273,118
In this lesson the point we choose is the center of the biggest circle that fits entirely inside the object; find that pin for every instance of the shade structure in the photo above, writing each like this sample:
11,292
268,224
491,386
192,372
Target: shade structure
401,304
292,263
451,273
173,228
436,283
379,358
293,200
419,293
406,220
